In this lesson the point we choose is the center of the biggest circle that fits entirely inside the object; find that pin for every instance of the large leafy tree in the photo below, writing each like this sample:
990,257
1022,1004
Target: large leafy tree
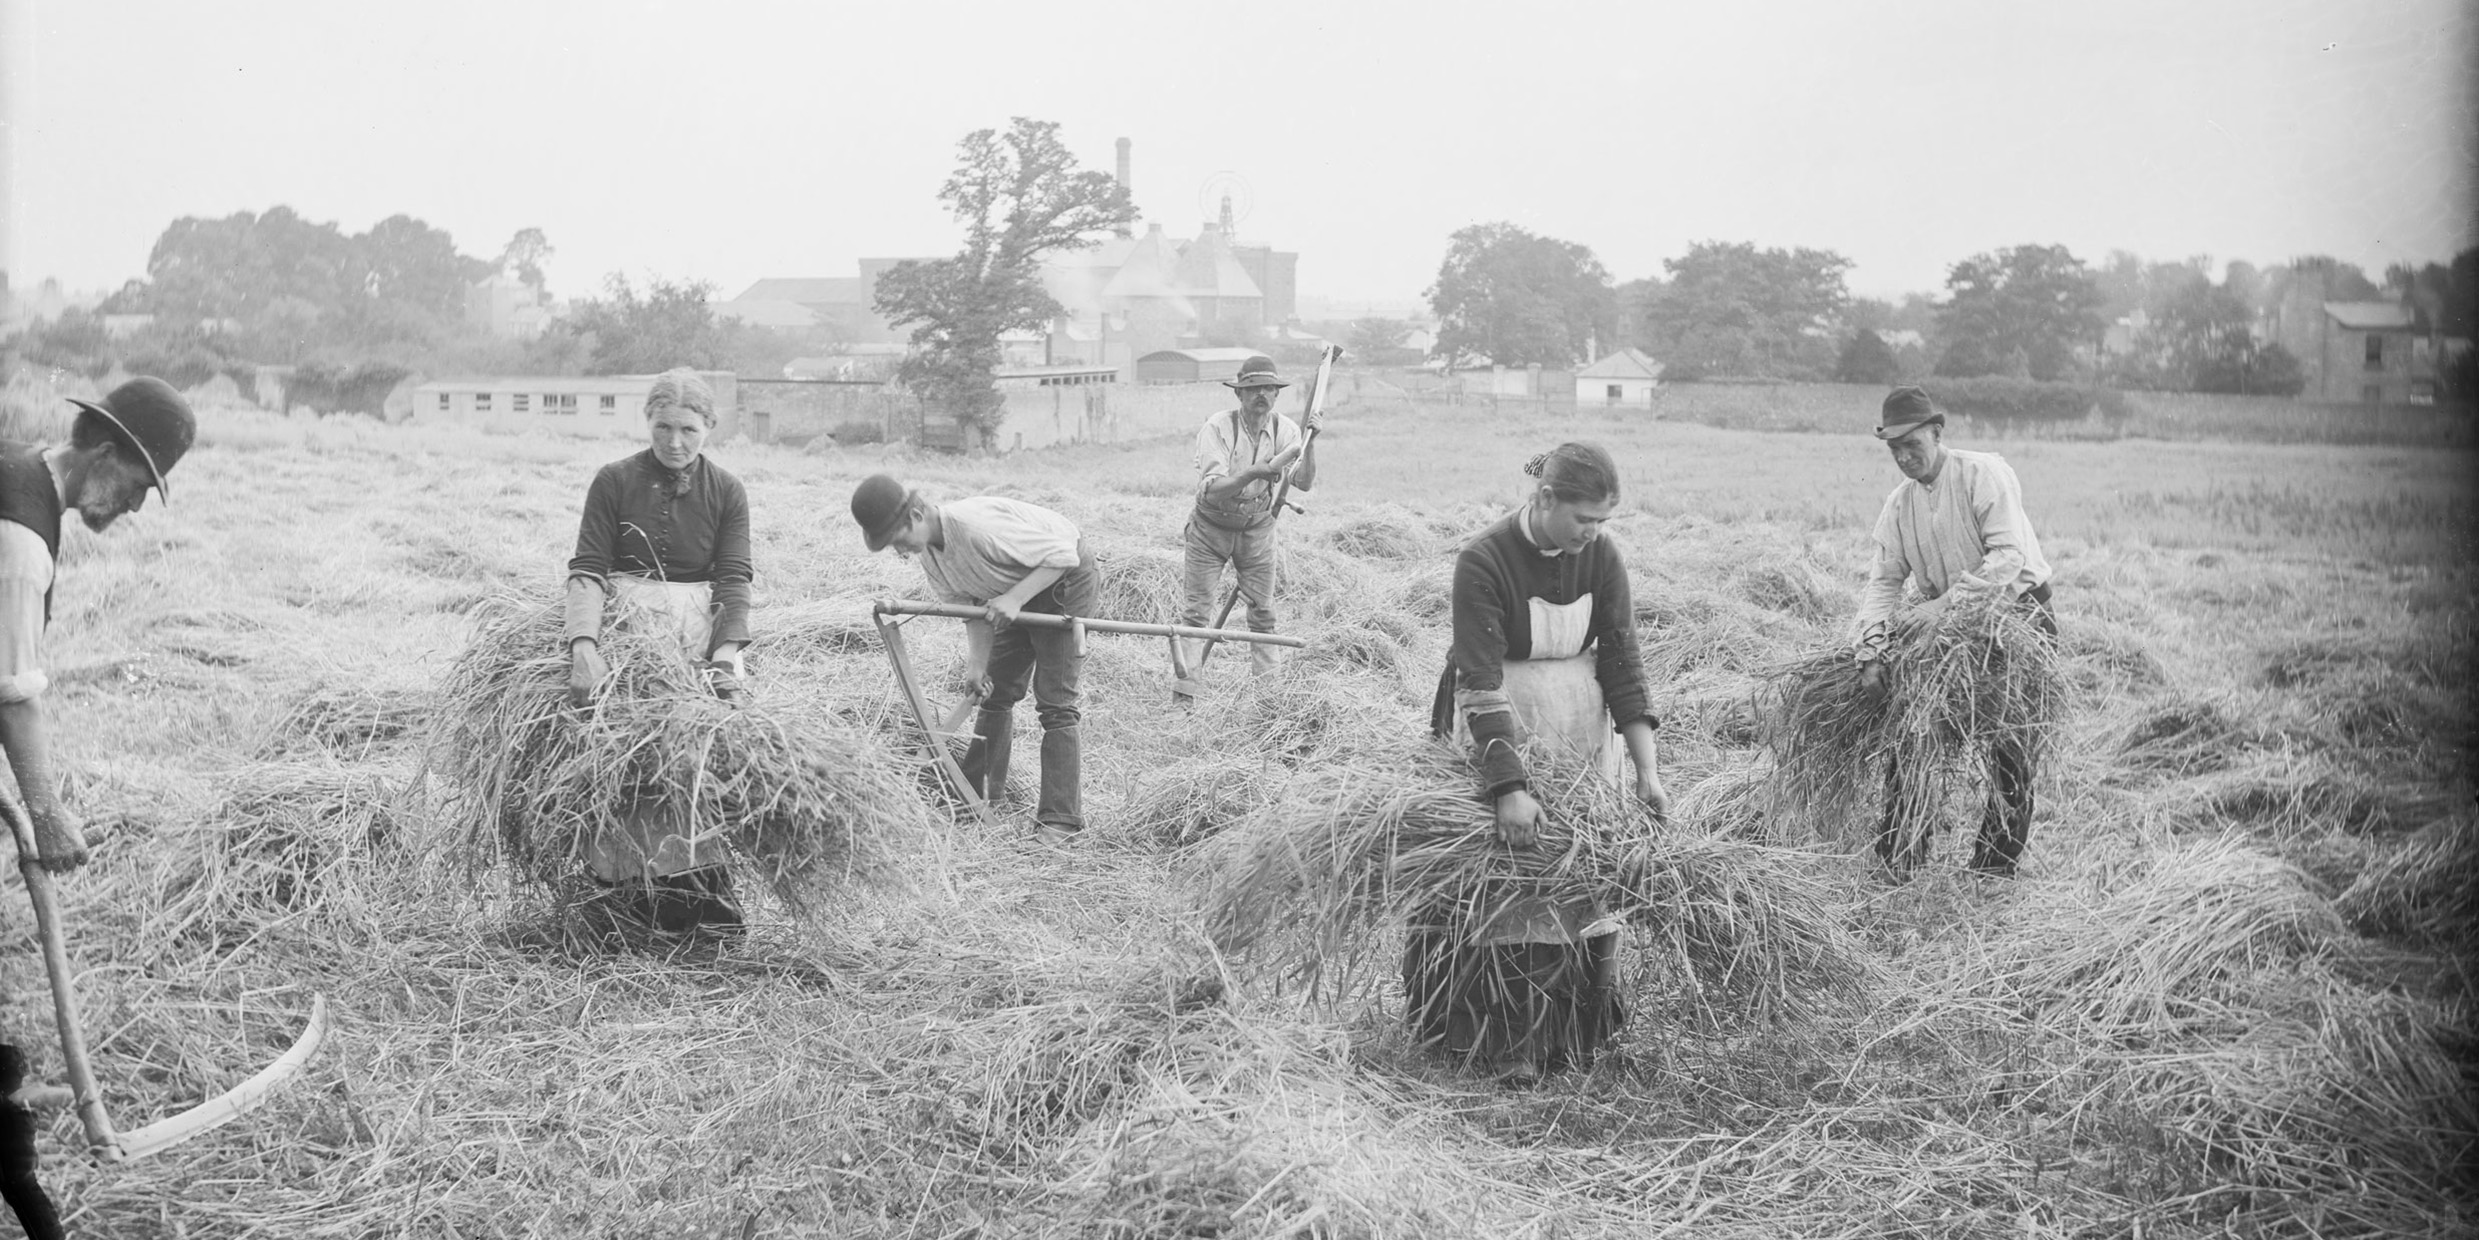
295,285
2202,336
2021,311
1730,308
1020,196
1519,299
670,324
523,257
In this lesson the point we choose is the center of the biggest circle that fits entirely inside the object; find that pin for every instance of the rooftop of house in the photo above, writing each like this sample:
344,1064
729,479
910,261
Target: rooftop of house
2374,316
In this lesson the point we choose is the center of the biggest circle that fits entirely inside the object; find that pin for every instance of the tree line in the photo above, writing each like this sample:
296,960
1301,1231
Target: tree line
1737,310
351,314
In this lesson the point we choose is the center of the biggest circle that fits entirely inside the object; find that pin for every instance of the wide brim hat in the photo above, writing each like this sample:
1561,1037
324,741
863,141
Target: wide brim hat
879,505
1907,409
150,417
1256,372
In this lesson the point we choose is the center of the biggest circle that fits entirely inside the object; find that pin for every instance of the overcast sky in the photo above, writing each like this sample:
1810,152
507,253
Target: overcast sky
729,141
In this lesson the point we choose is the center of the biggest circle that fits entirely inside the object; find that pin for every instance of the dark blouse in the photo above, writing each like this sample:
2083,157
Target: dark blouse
1496,575
690,525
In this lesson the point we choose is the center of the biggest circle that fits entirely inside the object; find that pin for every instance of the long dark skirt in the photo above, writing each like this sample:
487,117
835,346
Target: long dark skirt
1551,1006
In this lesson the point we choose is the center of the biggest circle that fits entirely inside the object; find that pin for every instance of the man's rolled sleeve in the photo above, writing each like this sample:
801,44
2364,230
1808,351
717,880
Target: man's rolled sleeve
1996,498
25,575
1882,592
1213,456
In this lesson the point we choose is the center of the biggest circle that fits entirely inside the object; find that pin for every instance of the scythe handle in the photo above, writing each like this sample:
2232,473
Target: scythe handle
99,1134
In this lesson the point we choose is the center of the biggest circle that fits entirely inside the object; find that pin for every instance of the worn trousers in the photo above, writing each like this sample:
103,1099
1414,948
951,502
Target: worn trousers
1045,661
2005,821
1251,553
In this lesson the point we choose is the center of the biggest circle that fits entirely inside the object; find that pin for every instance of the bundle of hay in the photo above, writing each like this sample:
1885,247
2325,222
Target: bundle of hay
1143,584
1314,882
799,801
1953,688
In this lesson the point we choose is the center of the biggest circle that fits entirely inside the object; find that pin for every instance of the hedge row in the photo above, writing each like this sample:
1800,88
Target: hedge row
1995,398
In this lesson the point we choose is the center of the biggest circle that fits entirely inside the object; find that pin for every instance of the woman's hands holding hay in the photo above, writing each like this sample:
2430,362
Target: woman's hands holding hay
1519,819
586,670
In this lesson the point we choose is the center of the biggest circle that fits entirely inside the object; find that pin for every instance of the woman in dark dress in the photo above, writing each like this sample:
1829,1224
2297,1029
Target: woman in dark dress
667,530
1524,983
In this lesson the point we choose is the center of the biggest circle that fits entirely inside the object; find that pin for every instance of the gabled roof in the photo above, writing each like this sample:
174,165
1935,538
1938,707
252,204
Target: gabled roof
1217,354
1624,364
2373,316
807,291
1148,271
1207,269
767,312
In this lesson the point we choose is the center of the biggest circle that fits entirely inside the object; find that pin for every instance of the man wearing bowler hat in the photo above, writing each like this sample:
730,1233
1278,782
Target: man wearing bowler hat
118,448
1954,527
1006,557
1241,456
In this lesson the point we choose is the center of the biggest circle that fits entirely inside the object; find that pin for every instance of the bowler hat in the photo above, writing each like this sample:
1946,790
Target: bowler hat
1907,409
148,415
879,504
1257,371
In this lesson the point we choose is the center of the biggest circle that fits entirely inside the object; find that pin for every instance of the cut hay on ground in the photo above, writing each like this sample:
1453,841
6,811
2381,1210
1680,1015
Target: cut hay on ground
350,720
1954,688
1312,884
273,849
801,799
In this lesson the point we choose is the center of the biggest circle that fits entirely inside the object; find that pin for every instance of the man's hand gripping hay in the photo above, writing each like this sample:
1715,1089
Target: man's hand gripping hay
1955,686
800,800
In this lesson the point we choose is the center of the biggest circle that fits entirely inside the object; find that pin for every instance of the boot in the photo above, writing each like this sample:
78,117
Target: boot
1061,809
1263,658
994,742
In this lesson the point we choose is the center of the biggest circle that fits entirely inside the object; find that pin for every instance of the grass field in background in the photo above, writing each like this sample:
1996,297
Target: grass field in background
2228,993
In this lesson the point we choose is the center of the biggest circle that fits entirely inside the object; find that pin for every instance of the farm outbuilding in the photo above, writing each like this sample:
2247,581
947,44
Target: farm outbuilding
1627,377
595,405
1190,365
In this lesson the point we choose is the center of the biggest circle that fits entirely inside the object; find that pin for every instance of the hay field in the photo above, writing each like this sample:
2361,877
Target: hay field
2226,996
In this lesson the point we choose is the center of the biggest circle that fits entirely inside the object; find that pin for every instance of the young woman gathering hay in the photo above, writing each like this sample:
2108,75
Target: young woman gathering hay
1312,884
798,801
1510,959
1972,690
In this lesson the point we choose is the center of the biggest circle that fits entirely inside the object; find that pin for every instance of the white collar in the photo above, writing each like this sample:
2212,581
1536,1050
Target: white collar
1523,526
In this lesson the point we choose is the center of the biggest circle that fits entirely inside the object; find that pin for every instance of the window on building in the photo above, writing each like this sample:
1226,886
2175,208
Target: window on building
1617,392
520,403
2422,392
611,405
443,402
2375,351
563,404
481,402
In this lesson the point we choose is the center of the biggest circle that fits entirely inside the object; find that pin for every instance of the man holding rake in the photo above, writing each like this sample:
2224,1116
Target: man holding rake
1241,457
1956,526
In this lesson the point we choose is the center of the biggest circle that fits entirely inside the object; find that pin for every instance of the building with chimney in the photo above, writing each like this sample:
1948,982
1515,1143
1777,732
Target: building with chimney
1128,296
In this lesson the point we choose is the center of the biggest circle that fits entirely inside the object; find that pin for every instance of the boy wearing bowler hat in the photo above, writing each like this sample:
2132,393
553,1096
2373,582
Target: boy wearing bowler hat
1241,456
1955,527
119,448
1006,557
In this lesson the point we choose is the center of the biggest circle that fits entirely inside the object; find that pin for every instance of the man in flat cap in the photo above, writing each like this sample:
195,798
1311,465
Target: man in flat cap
1241,457
1955,528
119,448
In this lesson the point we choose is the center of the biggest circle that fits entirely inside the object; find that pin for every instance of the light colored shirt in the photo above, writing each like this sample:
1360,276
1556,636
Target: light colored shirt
25,574
1224,447
1963,535
989,543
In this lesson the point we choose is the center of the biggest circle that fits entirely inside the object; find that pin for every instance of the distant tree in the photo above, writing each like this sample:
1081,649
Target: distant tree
1635,298
1377,339
1519,299
523,257
1020,196
671,324
1733,309
1867,359
2342,281
2022,311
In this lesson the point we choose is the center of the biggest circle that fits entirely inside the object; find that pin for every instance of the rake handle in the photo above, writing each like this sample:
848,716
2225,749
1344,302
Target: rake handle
1045,620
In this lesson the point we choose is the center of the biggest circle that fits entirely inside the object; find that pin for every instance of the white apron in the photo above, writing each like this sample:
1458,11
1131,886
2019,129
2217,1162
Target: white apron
1557,702
651,840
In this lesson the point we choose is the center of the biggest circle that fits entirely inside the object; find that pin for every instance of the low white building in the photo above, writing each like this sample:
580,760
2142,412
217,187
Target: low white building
1627,377
589,405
